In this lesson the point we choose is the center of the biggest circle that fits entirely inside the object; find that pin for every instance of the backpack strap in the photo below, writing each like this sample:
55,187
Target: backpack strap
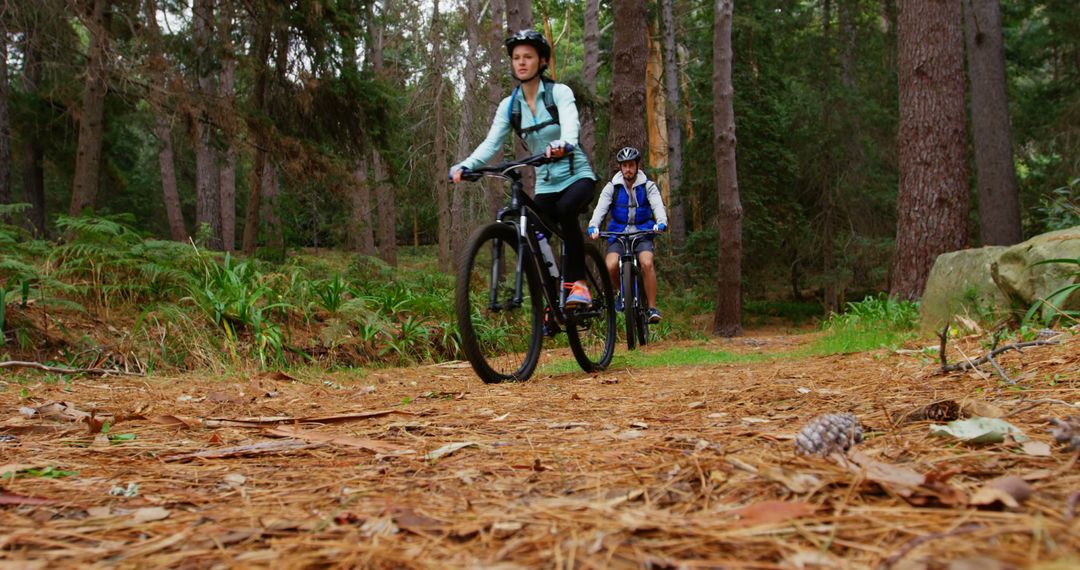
549,104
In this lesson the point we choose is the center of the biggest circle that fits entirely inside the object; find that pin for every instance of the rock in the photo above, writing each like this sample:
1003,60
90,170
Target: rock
960,283
1024,283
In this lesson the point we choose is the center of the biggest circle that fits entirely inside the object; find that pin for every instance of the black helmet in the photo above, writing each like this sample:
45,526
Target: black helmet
529,37
626,154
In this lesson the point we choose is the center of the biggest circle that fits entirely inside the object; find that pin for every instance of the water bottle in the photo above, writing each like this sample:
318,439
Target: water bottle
549,256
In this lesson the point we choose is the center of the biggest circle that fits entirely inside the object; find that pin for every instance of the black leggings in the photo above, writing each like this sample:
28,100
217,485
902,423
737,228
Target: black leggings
564,207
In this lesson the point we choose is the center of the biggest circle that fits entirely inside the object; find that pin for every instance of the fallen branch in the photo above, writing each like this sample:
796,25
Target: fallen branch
989,357
64,370
273,446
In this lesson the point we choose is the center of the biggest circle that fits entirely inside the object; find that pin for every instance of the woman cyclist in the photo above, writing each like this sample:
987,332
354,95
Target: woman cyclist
544,115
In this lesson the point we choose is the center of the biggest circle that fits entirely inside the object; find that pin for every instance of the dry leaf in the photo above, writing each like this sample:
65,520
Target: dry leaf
1036,448
276,446
373,445
150,514
979,408
408,519
234,479
767,512
449,449
795,482
180,422
1010,491
15,499
693,405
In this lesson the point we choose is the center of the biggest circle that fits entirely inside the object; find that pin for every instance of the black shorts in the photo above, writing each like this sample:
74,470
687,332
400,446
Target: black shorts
644,244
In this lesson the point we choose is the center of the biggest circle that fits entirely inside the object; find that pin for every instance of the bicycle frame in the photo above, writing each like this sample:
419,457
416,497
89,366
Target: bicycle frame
629,241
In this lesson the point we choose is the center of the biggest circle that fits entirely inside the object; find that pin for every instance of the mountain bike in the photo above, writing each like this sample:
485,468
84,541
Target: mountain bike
635,303
509,292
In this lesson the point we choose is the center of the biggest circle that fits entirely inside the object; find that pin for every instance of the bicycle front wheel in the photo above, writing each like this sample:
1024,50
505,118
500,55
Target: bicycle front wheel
500,333
641,308
630,310
591,331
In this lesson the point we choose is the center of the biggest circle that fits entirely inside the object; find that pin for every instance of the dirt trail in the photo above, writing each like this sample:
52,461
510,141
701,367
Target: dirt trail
622,469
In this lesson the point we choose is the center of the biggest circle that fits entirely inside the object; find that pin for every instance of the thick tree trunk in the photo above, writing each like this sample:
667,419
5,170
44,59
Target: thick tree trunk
728,318
590,65
261,49
518,15
227,90
497,61
34,173
361,234
656,112
207,177
999,200
674,130
627,88
932,207
459,216
5,131
387,210
441,187
162,124
92,115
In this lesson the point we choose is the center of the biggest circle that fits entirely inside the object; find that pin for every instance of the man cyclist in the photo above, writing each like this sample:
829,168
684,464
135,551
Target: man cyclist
544,115
634,206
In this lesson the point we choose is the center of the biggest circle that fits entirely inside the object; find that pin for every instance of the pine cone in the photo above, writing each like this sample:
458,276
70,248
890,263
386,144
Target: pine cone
1067,431
940,411
828,433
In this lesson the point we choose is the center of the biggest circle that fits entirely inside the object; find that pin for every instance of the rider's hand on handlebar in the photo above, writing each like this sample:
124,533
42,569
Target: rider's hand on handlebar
455,174
659,228
593,232
556,149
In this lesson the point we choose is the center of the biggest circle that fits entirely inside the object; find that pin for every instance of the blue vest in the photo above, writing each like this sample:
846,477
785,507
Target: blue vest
620,209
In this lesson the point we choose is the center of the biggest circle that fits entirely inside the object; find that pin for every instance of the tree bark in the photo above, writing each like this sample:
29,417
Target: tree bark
227,90
5,138
361,234
590,65
271,187
627,88
999,200
207,181
518,15
387,210
656,112
493,187
34,175
261,50
92,114
728,318
932,207
460,219
676,214
441,186
162,124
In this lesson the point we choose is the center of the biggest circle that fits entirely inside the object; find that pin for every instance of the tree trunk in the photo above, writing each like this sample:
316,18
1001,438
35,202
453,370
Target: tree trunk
656,112
999,200
728,318
590,65
458,215
207,181
493,187
34,175
227,90
162,124
441,186
519,15
932,207
674,131
361,236
387,210
271,187
627,88
92,114
261,50
5,138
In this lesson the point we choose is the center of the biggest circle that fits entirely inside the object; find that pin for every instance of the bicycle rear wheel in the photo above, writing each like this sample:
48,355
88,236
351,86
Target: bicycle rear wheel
591,331
630,312
500,336
641,307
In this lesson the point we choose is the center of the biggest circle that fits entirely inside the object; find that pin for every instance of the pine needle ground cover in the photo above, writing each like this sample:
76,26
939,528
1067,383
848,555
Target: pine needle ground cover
425,467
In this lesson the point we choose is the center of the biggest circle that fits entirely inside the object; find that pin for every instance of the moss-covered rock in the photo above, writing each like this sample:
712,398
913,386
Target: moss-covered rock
960,283
1017,275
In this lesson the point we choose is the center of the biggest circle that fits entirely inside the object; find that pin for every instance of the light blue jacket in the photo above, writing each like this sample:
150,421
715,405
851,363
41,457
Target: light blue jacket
553,177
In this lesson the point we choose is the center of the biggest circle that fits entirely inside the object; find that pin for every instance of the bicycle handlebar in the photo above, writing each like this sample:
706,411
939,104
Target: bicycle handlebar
629,234
474,174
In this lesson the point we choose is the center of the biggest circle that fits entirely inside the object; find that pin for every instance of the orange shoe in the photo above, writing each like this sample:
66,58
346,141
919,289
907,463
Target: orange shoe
579,295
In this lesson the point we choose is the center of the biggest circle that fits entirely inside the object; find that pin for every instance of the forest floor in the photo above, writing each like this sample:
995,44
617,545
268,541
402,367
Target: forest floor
426,467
